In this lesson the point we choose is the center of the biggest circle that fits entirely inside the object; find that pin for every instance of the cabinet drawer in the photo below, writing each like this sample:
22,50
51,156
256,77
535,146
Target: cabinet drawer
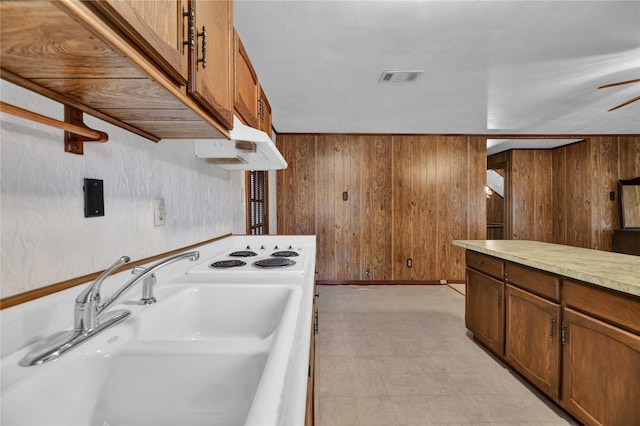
487,264
536,281
609,306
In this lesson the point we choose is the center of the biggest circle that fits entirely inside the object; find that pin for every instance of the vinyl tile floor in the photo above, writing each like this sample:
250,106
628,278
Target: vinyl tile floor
400,355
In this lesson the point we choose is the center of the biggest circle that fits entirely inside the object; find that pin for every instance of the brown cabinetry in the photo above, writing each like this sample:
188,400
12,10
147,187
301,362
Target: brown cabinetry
310,411
123,62
211,60
601,380
601,355
191,40
627,241
155,27
532,338
484,314
264,113
578,343
246,85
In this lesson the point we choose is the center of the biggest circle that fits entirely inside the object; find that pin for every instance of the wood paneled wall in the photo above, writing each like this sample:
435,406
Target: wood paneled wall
562,195
584,174
531,195
408,197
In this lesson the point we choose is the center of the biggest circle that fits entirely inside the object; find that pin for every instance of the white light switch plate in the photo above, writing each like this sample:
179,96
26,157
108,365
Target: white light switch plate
159,212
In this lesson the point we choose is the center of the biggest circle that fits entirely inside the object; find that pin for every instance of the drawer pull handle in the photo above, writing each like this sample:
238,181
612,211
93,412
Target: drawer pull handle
191,41
203,60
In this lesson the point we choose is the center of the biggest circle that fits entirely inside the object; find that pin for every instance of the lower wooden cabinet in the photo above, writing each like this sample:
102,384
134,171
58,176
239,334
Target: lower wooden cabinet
532,338
310,413
601,374
578,343
484,314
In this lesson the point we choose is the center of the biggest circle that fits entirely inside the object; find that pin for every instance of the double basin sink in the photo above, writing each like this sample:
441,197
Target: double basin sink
204,354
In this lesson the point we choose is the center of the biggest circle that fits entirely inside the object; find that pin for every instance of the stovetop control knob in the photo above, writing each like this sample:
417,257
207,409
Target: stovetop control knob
290,247
276,247
248,248
261,247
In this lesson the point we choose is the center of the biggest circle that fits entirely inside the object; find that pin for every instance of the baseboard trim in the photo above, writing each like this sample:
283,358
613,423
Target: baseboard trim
388,282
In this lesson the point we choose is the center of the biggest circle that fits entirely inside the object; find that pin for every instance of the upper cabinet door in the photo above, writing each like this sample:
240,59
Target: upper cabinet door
155,27
264,113
246,86
211,60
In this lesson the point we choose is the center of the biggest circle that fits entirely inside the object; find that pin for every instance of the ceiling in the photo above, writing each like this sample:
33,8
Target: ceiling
490,67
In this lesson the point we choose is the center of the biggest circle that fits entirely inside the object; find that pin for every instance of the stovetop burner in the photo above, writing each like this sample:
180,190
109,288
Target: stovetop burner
231,263
243,253
285,253
274,262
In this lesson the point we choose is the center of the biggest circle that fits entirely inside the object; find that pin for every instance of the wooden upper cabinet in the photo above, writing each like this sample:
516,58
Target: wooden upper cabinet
125,62
155,27
211,60
191,41
264,113
246,85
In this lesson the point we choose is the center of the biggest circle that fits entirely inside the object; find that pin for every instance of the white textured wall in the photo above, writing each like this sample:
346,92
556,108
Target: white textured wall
45,236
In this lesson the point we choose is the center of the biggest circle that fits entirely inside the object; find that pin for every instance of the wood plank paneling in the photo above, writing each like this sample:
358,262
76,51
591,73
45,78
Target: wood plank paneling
399,228
603,181
342,213
443,202
584,174
325,207
376,202
408,197
420,237
432,228
458,201
531,195
476,175
559,196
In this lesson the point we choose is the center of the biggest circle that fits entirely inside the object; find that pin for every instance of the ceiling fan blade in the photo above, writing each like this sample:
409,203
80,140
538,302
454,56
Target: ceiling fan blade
637,98
620,83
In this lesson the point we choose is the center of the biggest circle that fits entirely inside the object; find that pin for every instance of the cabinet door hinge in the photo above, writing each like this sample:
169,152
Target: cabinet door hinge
563,332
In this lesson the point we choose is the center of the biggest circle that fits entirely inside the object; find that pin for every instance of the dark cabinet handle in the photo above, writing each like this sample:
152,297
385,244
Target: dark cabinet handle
316,321
203,60
191,39
552,327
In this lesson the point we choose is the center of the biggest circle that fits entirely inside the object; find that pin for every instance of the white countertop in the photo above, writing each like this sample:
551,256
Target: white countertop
26,323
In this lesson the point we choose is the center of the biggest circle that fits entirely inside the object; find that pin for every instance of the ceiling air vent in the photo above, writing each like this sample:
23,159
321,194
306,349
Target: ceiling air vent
399,76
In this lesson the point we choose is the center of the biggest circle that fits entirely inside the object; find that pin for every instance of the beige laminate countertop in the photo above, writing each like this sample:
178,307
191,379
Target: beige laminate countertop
611,270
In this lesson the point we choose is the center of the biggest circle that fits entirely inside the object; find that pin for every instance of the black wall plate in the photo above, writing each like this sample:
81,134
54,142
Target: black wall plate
93,198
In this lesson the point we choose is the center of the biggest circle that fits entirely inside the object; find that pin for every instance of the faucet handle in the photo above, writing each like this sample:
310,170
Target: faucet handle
147,286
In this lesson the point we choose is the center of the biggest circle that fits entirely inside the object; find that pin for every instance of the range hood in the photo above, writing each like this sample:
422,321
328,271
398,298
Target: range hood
248,149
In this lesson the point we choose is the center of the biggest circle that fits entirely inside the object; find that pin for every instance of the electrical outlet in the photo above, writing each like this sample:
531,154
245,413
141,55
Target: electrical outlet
159,212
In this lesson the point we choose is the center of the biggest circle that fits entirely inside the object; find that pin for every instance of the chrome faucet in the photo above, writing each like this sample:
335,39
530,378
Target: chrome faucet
147,286
150,271
88,302
90,317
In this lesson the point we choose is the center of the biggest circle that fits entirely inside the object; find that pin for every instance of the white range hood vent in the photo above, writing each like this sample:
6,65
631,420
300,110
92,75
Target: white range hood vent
248,149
